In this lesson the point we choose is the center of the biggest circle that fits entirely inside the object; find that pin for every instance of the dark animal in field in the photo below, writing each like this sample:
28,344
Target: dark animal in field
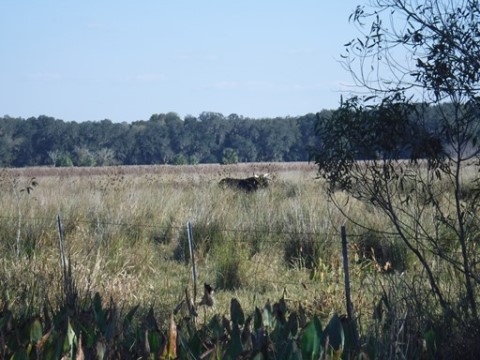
207,298
250,184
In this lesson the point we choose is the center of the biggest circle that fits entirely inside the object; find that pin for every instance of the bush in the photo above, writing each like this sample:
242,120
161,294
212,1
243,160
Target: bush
205,237
64,160
229,156
229,258
302,250
385,254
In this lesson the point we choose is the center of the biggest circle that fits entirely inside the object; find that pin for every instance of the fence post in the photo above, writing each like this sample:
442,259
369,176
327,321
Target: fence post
192,257
347,287
62,249
69,290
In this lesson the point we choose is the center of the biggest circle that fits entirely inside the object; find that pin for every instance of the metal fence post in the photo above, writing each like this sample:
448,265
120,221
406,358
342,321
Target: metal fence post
347,287
192,258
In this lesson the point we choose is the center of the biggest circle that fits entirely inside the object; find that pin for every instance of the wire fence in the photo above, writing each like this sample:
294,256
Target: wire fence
264,276
265,229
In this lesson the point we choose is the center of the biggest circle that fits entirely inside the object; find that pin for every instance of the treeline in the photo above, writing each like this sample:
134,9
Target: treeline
163,139
209,138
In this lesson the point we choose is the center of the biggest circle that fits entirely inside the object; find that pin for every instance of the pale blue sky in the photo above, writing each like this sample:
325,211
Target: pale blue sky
126,60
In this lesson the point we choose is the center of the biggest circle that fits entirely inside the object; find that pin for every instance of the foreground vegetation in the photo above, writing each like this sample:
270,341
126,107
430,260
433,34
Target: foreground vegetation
124,231
404,65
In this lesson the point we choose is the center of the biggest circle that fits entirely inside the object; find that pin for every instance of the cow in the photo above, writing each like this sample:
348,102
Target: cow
248,185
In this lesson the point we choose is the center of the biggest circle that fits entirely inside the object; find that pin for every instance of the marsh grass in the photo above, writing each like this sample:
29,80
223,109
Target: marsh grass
125,228
125,233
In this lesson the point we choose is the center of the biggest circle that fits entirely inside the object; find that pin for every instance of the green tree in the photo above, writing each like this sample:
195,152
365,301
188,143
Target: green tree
105,157
54,155
211,133
179,159
179,137
33,141
301,149
122,143
8,141
83,157
64,160
278,136
229,156
412,55
243,146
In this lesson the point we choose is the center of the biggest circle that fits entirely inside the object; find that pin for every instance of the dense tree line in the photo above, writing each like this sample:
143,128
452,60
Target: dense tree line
163,139
167,139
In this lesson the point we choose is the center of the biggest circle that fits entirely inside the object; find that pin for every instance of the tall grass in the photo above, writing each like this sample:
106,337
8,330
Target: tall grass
125,229
125,233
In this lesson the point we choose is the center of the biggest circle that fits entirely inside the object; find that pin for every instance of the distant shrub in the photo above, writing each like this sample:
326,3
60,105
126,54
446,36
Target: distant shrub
385,254
229,156
179,159
205,237
229,259
64,160
303,250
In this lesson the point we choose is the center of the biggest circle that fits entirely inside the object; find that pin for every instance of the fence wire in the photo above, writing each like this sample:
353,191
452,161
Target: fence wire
306,285
260,229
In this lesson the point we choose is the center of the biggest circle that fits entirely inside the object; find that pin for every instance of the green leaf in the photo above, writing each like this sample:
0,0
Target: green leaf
89,333
302,317
155,341
70,342
267,316
292,324
430,342
291,351
236,312
257,319
100,316
5,319
216,327
110,330
127,321
97,302
280,310
36,331
311,340
259,356
150,321
235,347
194,345
336,337
20,355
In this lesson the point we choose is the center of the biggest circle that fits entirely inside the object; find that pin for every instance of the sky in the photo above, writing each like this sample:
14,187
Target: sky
124,60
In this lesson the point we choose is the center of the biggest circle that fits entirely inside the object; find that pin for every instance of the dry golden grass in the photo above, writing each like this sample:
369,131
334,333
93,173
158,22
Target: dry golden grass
123,227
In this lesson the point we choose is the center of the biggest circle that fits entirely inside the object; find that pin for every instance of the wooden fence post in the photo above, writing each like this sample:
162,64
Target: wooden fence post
347,287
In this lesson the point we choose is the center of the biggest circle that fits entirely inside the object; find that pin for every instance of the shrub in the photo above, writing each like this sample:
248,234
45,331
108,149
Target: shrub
229,259
302,250
385,254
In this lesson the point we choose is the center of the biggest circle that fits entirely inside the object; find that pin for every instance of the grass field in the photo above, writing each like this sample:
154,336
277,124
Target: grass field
125,232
